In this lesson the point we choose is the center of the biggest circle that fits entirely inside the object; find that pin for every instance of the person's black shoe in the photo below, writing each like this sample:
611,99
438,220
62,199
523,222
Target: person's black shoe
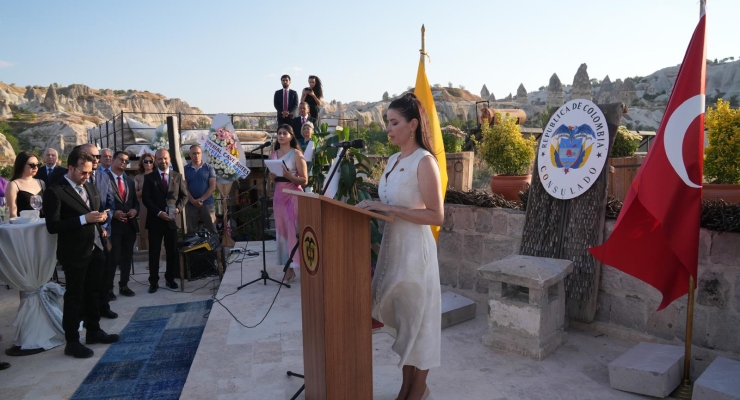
100,336
4,365
111,296
108,314
153,288
125,291
77,350
172,285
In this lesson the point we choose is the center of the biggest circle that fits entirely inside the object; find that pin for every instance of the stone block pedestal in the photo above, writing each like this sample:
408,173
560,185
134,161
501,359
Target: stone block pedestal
648,368
526,307
720,381
456,309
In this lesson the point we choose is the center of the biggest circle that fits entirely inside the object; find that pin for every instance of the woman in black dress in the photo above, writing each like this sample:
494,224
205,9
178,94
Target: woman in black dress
313,95
23,185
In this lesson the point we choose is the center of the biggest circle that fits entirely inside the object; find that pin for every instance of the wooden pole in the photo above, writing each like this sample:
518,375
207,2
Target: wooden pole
423,44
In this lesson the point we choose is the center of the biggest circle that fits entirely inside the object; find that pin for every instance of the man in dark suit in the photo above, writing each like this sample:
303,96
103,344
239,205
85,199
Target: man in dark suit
164,196
123,224
74,213
297,123
50,173
285,101
101,180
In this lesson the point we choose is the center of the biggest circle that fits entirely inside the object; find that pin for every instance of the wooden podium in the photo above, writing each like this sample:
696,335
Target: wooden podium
334,253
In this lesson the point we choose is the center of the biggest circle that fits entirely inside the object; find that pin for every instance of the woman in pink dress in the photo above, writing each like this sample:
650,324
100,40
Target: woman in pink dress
284,205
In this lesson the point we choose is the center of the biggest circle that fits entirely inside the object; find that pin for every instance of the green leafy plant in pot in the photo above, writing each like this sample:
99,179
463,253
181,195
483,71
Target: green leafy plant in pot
509,155
722,156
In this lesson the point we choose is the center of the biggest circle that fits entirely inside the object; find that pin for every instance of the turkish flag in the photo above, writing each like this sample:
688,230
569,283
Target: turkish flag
656,237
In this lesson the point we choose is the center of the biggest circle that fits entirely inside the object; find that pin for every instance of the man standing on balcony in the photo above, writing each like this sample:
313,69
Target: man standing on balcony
285,101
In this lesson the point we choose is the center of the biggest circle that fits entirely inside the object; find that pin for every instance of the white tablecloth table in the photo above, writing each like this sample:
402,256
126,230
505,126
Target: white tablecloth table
27,262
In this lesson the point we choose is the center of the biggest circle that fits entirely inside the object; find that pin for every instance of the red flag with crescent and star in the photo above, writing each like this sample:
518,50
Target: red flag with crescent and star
656,237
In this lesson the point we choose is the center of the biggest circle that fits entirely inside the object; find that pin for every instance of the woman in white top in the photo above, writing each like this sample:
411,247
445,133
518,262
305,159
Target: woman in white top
406,290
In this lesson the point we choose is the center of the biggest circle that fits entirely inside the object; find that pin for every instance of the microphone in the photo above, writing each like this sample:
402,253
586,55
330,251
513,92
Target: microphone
262,146
357,144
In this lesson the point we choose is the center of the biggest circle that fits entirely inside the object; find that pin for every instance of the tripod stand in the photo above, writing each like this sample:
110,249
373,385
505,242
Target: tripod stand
264,276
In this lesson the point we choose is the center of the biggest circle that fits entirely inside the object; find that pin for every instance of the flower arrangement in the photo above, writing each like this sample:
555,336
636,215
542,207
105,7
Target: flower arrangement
224,171
225,138
160,141
453,139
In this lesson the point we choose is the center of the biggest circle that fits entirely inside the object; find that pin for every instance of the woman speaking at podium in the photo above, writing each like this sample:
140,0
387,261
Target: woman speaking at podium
405,288
285,206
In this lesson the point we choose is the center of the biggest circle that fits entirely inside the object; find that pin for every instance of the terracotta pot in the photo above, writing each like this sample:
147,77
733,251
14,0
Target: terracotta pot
509,186
728,193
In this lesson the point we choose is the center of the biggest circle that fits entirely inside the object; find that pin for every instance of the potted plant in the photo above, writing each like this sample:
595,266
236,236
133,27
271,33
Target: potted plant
509,155
623,162
459,163
722,156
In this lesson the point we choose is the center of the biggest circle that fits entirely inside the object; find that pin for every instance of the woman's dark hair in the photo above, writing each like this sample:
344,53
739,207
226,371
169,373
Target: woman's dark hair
141,162
317,90
411,108
293,140
20,162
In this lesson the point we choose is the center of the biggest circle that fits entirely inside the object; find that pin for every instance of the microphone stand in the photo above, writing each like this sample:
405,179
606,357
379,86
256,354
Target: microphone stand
264,276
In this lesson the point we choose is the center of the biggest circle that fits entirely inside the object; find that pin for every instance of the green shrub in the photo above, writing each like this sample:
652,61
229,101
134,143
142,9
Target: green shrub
625,143
505,150
453,139
722,157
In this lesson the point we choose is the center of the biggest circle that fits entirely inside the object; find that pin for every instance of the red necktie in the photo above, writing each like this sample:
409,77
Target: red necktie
285,99
121,189
164,181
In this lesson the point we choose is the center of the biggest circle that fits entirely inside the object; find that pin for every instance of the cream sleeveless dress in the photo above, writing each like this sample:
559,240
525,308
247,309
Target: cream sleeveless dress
406,288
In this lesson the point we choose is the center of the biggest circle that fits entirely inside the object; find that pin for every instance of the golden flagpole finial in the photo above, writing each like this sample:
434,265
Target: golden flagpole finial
423,44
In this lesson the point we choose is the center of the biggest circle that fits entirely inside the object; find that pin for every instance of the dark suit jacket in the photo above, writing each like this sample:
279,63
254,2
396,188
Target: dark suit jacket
56,174
156,199
296,124
102,182
63,207
125,204
292,101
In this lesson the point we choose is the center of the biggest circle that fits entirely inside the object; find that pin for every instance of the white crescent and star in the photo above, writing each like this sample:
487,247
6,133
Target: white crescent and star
675,131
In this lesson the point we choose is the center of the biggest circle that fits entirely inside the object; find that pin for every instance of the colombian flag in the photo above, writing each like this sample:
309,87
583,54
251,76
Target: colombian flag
423,92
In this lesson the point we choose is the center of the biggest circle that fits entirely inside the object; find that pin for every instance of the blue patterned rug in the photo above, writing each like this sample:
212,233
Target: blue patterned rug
153,357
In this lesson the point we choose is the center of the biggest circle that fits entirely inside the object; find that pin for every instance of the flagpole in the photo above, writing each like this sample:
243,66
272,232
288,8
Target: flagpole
423,42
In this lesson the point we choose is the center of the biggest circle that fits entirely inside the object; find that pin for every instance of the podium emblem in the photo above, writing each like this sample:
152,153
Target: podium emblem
310,250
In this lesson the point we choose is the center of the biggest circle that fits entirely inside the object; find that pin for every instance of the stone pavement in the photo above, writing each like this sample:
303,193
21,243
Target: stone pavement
234,362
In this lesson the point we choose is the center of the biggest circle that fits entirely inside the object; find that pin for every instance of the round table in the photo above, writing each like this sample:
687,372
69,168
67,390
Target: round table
27,262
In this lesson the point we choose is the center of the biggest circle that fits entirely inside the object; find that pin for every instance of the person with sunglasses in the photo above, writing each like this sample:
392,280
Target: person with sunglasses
146,165
22,184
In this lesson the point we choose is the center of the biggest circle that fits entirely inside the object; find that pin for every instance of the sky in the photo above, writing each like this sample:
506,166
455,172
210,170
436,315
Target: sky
228,56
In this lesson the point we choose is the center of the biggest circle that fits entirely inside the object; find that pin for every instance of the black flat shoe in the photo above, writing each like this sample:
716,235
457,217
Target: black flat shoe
108,314
100,337
153,288
77,350
125,291
172,285
111,296
4,365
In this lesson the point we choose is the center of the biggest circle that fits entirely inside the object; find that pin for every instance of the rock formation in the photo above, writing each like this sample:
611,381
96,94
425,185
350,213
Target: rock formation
509,97
491,97
628,93
5,110
7,154
555,92
582,88
605,91
51,101
521,94
484,92
30,93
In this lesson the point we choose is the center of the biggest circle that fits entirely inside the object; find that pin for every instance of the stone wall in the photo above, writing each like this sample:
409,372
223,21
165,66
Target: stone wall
473,236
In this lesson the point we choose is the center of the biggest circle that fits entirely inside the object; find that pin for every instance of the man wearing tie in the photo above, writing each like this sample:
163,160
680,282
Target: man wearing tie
163,190
50,173
123,225
74,213
297,123
101,180
285,101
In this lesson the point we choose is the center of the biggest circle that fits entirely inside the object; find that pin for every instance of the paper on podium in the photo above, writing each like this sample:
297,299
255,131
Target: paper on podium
308,155
275,166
